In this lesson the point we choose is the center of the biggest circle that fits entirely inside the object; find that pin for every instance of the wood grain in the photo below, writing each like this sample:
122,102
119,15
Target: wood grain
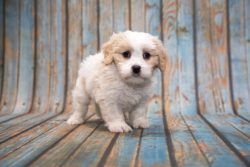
43,54
11,56
26,57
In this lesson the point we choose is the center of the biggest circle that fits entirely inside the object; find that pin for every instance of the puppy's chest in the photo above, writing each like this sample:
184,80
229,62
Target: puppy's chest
128,98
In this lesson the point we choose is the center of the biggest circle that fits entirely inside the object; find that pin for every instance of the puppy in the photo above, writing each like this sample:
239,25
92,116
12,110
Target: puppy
119,80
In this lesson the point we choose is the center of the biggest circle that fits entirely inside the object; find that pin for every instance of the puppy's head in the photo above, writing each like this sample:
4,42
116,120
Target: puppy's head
135,54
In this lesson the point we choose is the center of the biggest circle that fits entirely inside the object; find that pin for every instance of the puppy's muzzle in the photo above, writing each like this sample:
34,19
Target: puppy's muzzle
136,69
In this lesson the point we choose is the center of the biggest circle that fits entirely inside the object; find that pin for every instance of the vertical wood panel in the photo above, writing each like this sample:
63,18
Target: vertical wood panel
247,32
1,45
171,78
137,15
89,27
212,67
43,43
74,46
58,55
121,15
239,58
26,60
185,57
219,57
11,55
106,26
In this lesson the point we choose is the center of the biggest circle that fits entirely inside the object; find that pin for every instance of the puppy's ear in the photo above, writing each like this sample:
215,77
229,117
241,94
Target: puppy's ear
162,54
108,48
107,51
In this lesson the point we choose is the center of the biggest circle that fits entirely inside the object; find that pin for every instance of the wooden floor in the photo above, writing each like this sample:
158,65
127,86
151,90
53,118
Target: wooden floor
40,139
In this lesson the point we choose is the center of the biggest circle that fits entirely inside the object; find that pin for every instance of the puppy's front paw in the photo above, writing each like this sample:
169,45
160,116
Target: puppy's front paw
75,119
118,126
141,123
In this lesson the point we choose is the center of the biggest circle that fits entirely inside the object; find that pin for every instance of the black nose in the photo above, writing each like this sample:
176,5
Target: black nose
136,69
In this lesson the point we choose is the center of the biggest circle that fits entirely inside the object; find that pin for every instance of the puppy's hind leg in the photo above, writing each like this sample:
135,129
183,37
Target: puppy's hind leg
81,102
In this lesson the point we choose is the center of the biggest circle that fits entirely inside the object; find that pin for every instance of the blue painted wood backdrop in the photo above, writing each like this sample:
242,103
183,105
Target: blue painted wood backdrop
208,43
200,105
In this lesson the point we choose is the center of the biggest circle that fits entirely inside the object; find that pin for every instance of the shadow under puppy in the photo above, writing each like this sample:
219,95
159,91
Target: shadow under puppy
119,79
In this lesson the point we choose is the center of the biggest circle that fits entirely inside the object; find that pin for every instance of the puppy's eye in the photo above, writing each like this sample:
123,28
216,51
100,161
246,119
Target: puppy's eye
126,54
146,55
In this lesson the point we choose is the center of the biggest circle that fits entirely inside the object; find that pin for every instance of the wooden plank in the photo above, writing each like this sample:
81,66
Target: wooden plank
171,75
137,15
186,86
203,51
74,46
106,22
7,117
58,55
153,150
124,151
214,149
186,150
238,142
239,64
26,57
1,46
16,130
16,121
62,150
11,51
121,15
247,38
93,149
43,52
89,27
25,155
24,138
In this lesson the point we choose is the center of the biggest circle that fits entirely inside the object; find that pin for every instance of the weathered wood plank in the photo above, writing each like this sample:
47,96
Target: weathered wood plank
58,55
153,150
26,57
124,151
93,149
62,150
137,15
121,15
74,46
1,46
186,150
171,75
247,38
24,138
238,54
232,137
106,22
24,155
186,86
16,121
11,51
89,27
214,149
16,130
7,117
43,53
212,66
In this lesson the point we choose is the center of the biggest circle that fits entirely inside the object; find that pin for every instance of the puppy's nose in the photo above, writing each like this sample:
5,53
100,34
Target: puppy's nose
136,69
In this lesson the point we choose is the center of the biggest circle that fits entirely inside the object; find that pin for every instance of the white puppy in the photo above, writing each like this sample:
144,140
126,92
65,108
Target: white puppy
119,80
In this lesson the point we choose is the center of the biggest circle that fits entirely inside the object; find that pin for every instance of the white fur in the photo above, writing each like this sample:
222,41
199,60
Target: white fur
114,88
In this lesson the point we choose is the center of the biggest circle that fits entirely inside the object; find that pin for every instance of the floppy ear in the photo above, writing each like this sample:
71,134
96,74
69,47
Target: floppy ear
162,54
107,51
